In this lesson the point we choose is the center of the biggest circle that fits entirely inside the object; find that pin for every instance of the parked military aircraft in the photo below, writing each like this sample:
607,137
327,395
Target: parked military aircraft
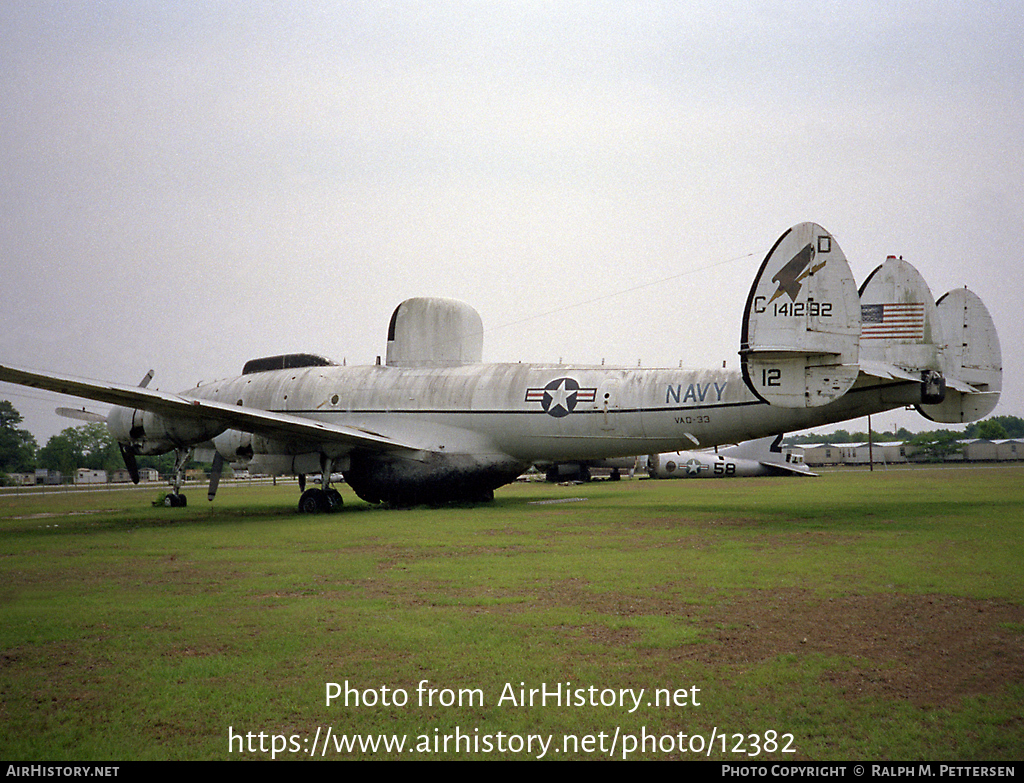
762,457
433,423
580,471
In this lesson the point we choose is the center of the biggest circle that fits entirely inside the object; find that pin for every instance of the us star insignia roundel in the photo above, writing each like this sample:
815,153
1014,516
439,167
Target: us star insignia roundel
694,467
561,396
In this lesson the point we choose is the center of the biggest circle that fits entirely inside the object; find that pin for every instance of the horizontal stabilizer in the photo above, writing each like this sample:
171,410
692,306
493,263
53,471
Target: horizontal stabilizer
789,470
801,325
892,372
887,371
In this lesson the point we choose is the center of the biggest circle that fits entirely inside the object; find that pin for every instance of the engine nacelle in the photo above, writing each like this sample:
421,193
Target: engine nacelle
266,456
149,433
234,446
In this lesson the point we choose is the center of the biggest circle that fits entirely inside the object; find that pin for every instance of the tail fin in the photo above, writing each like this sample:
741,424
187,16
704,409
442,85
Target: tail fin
761,449
801,325
899,320
808,333
951,345
972,360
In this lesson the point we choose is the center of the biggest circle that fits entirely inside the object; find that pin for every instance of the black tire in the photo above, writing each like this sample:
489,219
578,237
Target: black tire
334,501
313,501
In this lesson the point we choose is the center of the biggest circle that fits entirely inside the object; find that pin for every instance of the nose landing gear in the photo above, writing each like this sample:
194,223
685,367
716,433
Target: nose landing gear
176,499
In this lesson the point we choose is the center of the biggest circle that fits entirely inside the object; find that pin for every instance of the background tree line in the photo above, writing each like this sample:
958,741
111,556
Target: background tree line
85,446
995,428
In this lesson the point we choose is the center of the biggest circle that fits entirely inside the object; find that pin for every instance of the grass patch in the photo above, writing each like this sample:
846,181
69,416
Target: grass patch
869,615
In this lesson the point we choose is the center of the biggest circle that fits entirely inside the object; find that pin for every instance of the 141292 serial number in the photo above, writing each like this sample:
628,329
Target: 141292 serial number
797,309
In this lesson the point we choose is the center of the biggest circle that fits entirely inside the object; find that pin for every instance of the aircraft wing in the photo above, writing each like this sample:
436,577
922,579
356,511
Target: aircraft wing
276,426
787,470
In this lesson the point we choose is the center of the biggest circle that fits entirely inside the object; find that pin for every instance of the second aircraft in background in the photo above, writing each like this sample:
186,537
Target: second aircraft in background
763,457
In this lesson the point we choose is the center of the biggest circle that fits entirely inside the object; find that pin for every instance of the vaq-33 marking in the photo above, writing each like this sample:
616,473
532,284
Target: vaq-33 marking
434,424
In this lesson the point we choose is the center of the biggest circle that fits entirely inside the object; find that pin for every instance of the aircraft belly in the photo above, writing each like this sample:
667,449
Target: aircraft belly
439,478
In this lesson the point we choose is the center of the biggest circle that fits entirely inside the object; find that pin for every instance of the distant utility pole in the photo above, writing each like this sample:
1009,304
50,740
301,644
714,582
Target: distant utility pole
871,447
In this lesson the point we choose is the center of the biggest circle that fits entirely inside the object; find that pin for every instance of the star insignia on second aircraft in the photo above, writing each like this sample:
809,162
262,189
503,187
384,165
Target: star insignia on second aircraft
694,466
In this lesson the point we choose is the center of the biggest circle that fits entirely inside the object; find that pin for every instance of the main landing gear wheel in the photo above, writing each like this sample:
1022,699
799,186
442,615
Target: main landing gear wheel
316,501
325,498
312,501
175,500
334,501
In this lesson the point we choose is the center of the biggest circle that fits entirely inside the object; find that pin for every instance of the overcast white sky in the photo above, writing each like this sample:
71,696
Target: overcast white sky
187,185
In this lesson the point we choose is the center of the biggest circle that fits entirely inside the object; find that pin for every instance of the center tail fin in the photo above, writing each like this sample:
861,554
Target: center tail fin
801,326
900,325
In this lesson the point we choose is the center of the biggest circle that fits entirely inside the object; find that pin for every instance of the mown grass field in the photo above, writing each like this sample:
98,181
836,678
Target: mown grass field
868,615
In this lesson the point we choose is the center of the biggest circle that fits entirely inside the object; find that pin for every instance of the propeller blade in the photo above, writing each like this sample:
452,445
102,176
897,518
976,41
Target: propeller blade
130,463
215,471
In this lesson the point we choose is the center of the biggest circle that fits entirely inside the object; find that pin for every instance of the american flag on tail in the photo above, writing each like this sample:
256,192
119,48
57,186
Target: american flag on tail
892,321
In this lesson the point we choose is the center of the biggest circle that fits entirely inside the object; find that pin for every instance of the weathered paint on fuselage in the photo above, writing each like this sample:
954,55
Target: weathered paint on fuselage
533,413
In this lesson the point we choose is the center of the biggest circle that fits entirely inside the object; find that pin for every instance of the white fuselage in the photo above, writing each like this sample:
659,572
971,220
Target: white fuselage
535,412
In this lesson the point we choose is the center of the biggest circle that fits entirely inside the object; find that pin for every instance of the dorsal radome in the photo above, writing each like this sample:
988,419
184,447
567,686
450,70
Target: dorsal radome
432,332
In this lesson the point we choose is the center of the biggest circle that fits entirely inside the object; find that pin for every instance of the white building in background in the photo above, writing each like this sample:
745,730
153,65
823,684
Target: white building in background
897,453
1010,449
49,477
1002,450
90,476
122,476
